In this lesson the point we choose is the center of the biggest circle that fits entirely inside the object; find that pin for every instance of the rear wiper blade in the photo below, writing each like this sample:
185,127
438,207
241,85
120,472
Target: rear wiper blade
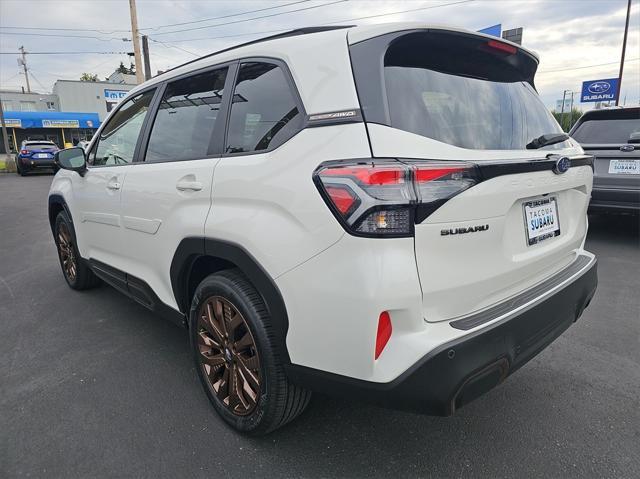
546,140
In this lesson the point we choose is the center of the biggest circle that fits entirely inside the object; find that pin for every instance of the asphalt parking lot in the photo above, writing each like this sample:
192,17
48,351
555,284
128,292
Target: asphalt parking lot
93,385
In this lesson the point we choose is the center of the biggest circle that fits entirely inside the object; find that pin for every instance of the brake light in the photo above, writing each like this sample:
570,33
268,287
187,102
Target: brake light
343,198
503,47
386,197
24,152
383,175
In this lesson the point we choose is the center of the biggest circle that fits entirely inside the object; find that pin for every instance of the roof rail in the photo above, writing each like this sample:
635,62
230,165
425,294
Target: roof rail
289,33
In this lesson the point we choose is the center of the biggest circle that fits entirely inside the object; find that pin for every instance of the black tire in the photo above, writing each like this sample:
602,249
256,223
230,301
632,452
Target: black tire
19,169
80,277
278,400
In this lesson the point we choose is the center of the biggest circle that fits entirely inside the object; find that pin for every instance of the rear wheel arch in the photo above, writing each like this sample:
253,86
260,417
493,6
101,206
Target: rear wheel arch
197,257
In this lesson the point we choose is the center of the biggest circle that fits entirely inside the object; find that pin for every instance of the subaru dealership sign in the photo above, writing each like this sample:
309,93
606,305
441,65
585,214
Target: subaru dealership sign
599,90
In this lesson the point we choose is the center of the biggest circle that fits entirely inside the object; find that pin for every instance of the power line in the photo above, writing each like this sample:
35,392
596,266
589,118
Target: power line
225,16
328,23
586,66
403,11
110,32
38,81
63,36
252,18
167,45
66,53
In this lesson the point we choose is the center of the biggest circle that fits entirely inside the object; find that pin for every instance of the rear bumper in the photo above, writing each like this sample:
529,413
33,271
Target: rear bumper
621,199
458,371
29,163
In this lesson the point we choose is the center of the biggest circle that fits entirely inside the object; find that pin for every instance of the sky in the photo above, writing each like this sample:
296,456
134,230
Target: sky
577,40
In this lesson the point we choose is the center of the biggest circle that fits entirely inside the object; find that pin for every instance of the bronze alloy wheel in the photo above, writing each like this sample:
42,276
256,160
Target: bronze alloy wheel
67,254
228,355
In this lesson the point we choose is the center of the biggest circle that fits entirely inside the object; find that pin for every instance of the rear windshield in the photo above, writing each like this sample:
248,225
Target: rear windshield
39,146
462,89
606,131
471,98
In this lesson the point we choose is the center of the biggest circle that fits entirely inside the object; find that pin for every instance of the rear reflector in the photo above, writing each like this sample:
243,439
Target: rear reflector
384,332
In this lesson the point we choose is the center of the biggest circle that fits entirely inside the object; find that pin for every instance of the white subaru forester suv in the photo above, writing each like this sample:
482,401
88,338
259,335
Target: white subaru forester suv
386,212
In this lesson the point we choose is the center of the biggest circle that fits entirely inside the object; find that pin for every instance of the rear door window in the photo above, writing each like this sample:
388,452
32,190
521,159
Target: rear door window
264,110
186,118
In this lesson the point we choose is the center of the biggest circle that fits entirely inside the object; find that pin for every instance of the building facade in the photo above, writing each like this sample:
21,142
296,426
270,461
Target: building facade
90,97
14,100
71,113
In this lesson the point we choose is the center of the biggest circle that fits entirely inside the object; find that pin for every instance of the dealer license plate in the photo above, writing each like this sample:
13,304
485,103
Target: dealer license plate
541,219
624,167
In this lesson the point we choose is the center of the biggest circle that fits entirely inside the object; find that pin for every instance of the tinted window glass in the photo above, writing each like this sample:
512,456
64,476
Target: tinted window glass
117,142
606,131
466,112
264,110
464,92
186,118
38,146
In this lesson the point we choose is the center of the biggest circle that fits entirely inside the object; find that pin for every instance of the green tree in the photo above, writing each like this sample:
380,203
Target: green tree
89,77
568,118
122,68
126,71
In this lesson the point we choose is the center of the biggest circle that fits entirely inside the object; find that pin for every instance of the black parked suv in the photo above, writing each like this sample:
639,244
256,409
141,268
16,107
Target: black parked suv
613,137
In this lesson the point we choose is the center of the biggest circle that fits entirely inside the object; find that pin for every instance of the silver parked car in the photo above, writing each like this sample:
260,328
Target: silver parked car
613,137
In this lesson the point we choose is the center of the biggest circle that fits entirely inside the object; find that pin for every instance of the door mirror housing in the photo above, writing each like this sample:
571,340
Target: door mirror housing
73,159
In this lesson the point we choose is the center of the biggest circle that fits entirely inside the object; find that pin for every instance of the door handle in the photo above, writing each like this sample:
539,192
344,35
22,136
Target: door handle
114,185
185,185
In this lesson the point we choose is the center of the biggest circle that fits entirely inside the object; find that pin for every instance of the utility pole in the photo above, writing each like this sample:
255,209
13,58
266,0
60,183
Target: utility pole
5,138
564,94
145,54
23,62
570,113
134,39
624,48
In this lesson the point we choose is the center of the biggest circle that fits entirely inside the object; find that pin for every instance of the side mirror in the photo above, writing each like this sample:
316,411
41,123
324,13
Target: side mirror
73,159
634,137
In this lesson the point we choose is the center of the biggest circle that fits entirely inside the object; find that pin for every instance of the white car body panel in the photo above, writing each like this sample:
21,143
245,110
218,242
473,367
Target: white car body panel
259,204
319,64
157,215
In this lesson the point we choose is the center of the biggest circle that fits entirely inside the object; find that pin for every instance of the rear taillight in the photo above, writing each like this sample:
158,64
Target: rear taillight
24,152
387,197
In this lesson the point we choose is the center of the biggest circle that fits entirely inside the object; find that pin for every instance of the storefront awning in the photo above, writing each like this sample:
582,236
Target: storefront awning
50,119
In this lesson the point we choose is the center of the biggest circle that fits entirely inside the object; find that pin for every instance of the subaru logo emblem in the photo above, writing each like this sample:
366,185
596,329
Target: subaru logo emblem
599,87
562,165
627,148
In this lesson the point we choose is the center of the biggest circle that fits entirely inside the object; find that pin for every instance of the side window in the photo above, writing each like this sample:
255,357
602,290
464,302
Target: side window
186,118
263,111
117,141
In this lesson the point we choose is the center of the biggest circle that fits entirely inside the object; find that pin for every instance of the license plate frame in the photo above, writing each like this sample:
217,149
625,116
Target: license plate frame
42,156
544,209
613,170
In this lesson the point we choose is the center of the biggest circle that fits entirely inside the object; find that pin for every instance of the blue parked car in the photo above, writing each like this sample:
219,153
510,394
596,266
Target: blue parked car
36,154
